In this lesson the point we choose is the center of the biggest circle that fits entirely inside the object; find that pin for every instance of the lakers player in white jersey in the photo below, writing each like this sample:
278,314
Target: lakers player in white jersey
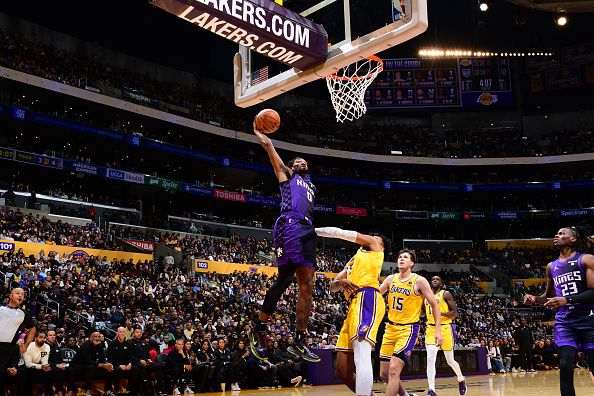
448,311
405,301
359,281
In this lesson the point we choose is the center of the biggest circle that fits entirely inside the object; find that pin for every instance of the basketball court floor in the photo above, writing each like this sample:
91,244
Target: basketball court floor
542,383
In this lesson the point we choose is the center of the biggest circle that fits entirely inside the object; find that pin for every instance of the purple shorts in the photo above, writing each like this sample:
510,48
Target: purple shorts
294,242
579,337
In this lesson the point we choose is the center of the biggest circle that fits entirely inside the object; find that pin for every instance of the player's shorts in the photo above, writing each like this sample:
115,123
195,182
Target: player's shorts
294,241
447,332
366,311
399,341
573,335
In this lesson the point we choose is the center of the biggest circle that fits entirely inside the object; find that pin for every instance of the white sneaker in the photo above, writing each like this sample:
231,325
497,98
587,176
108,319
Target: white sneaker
297,380
514,370
188,391
235,386
176,391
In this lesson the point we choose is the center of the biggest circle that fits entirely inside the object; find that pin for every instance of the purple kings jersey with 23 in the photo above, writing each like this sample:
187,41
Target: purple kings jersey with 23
297,197
569,278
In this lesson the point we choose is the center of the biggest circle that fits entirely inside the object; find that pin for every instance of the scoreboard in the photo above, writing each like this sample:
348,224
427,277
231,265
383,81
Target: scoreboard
449,82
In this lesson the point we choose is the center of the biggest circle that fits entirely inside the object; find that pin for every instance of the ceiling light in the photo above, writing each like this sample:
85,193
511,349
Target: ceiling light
561,19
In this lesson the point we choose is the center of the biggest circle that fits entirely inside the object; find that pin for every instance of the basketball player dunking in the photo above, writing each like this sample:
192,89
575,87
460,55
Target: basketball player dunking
295,249
570,287
405,301
360,282
449,311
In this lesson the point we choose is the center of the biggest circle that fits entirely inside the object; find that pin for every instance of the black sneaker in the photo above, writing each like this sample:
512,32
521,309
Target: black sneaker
307,355
256,344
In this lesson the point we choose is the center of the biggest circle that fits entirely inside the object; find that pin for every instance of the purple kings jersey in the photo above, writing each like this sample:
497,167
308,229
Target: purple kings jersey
297,197
569,278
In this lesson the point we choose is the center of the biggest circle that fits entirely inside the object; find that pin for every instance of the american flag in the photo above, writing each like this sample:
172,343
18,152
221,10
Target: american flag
260,75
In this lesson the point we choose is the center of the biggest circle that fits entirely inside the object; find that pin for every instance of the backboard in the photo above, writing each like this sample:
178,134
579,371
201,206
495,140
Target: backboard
356,30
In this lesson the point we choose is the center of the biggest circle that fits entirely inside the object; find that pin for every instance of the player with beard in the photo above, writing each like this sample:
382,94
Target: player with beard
570,288
295,249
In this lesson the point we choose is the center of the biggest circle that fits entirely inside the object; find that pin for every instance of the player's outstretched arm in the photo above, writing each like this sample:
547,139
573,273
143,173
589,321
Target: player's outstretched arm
367,241
549,292
280,169
586,297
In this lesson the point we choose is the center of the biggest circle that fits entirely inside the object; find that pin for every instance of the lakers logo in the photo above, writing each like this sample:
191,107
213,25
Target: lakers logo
487,99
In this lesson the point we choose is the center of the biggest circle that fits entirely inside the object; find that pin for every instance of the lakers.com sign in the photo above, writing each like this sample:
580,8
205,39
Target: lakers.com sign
260,25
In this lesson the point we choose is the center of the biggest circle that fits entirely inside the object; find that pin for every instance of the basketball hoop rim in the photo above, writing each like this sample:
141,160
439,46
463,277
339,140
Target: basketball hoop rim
375,58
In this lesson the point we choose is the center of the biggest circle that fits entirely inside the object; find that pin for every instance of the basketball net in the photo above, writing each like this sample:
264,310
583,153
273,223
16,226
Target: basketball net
348,85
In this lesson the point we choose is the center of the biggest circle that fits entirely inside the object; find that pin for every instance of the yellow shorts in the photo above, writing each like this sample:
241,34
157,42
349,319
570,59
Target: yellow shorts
447,332
399,340
366,311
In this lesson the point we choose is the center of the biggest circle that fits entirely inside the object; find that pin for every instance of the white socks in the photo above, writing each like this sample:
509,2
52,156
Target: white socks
449,355
432,358
364,378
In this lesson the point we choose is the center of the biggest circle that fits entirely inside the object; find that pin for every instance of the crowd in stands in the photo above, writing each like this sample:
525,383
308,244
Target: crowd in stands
16,225
157,310
19,53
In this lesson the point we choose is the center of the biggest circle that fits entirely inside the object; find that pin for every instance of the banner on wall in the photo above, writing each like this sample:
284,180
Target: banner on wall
144,245
166,184
229,195
72,252
529,282
345,210
221,267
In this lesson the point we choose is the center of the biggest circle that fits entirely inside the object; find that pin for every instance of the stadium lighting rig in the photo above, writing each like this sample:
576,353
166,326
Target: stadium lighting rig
454,53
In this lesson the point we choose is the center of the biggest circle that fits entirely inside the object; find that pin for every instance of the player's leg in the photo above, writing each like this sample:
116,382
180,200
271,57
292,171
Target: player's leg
345,364
449,336
394,383
432,351
567,360
305,276
405,339
567,348
362,357
257,339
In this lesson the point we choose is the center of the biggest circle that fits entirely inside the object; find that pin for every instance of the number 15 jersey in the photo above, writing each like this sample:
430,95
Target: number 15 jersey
404,306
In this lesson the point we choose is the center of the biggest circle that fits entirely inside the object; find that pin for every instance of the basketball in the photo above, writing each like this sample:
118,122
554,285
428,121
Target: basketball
267,121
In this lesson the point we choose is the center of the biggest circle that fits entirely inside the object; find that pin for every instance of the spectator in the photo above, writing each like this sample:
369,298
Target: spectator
179,368
227,372
119,354
142,362
37,363
494,354
55,360
90,363
524,339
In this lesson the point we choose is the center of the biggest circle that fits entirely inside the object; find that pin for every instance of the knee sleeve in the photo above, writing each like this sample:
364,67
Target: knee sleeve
431,359
274,294
567,359
364,378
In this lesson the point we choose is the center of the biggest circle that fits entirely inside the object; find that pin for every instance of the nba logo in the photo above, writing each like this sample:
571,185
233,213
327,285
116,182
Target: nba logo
398,10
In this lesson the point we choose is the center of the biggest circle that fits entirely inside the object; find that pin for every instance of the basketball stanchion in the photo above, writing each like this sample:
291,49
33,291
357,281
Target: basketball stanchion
347,87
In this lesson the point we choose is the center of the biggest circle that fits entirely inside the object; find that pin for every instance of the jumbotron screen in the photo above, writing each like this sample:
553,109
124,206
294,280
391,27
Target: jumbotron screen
451,82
